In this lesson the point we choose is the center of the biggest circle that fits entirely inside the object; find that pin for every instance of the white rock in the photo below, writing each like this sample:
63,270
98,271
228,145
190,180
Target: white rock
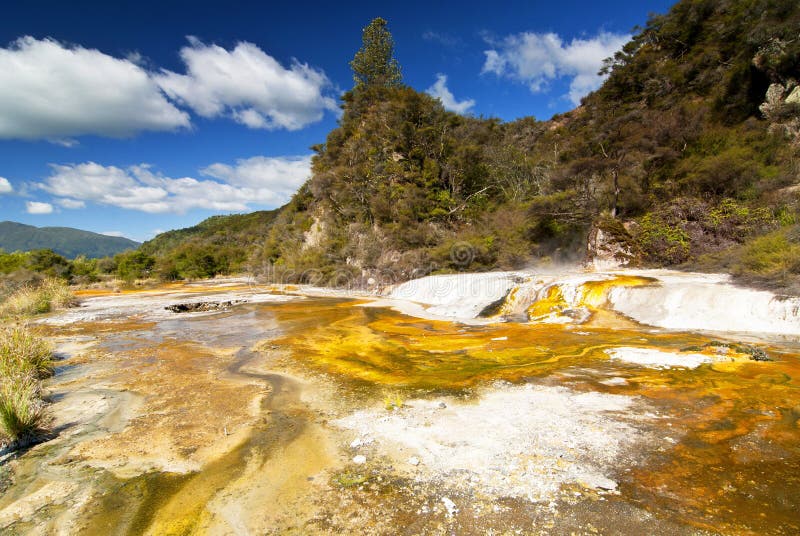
360,459
615,381
652,358
413,460
596,481
450,506
359,442
794,96
706,302
460,296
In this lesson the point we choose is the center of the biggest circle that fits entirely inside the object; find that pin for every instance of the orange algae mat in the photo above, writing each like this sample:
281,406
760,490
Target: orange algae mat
731,435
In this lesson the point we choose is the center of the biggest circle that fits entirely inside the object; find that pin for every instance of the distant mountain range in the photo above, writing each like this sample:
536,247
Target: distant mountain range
65,241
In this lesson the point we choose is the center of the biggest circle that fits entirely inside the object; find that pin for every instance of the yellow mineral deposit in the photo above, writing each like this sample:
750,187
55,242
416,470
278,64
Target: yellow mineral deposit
223,439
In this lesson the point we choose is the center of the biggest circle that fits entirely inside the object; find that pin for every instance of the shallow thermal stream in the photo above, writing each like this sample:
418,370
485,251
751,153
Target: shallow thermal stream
507,403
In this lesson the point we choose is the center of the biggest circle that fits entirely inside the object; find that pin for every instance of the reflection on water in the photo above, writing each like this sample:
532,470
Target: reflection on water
728,461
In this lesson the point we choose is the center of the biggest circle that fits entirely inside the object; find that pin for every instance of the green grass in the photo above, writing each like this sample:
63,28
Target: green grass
22,411
25,358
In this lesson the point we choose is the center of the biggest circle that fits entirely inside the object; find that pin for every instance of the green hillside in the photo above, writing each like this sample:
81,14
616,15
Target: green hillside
219,244
65,241
689,152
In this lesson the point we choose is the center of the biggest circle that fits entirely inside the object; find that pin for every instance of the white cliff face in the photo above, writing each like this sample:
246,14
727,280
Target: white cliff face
674,300
457,296
706,302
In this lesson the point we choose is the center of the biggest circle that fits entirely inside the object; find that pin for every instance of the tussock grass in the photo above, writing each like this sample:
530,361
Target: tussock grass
22,411
39,298
23,352
25,358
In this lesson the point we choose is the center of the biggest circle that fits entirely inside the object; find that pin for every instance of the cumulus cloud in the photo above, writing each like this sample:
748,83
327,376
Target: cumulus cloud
5,186
248,85
52,91
35,207
266,181
282,176
49,90
440,91
539,58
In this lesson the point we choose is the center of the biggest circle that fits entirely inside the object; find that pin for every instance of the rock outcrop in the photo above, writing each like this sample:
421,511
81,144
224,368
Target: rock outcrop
610,246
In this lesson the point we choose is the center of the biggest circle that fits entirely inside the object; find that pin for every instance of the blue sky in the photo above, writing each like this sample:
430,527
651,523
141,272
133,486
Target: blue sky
135,117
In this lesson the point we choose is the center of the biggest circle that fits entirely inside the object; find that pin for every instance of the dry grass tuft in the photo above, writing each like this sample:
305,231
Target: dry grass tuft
39,298
24,352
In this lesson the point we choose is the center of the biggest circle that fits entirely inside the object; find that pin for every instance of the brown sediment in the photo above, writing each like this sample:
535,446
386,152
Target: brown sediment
731,469
190,414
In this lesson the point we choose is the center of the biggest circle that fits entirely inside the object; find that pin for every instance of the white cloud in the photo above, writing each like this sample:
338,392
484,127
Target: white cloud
35,207
71,203
248,85
117,234
539,58
283,175
52,91
5,186
440,91
267,181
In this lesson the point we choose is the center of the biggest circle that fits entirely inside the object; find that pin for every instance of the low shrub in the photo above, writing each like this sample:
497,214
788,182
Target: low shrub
661,242
769,254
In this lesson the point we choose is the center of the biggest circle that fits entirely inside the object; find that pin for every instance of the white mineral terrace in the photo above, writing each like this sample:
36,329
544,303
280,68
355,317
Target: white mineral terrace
675,300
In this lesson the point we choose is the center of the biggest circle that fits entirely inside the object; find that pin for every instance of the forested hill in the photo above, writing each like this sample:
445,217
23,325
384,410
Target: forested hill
219,244
65,241
688,153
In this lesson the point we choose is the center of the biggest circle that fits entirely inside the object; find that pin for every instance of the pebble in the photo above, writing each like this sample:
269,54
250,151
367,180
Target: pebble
413,460
360,459
597,482
450,506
